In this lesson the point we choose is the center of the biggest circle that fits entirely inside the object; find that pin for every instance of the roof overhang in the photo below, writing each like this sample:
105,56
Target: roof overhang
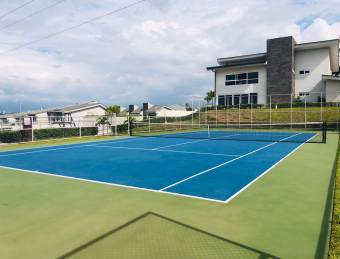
81,109
238,61
255,64
224,61
330,78
332,45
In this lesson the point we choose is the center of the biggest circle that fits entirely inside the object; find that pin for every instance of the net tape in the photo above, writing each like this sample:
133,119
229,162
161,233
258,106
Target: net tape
280,132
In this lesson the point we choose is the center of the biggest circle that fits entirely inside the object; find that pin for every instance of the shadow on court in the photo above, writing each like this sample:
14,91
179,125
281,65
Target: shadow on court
154,236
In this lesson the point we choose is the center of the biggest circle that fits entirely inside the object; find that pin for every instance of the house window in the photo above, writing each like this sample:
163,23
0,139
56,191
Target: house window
225,100
242,78
253,78
304,72
253,98
302,94
229,100
221,100
230,80
236,99
244,99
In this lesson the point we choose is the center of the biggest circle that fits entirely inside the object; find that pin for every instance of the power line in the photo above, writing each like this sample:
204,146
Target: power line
15,9
32,14
73,27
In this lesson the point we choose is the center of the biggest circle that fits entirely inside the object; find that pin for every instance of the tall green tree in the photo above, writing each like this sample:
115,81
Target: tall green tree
113,109
210,96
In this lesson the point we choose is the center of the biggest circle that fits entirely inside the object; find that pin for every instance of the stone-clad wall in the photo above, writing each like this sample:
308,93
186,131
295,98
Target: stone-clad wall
280,66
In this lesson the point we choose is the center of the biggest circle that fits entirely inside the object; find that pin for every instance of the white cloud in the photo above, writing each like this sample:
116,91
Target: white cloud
157,51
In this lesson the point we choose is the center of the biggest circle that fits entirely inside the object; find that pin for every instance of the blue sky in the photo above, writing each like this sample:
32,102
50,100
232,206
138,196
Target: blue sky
156,51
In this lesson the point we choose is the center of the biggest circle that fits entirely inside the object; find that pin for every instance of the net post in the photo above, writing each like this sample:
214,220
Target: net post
324,132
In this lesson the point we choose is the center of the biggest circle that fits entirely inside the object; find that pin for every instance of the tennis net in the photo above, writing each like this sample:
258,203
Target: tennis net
311,132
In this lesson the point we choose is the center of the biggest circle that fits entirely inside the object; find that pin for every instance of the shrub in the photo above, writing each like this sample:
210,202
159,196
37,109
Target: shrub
11,136
64,132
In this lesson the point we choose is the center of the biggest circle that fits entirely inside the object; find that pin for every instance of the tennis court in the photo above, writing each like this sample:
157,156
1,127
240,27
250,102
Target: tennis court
213,164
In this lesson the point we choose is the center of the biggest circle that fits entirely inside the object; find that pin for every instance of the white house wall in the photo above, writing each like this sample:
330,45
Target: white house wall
260,88
172,113
332,91
317,61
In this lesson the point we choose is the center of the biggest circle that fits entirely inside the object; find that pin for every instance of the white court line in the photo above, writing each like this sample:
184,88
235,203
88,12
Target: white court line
225,163
269,169
111,184
127,186
195,141
62,147
165,150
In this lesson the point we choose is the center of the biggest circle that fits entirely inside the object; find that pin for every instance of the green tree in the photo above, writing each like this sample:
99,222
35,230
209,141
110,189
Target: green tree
210,96
113,109
103,121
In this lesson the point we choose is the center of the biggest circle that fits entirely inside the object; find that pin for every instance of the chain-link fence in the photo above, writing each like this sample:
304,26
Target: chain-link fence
268,109
31,128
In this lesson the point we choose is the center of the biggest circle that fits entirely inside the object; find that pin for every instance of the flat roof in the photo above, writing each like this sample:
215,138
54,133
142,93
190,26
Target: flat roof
258,58
248,64
330,77
333,46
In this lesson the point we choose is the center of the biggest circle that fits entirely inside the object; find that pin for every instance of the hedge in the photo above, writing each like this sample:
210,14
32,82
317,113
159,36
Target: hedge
64,132
26,135
11,136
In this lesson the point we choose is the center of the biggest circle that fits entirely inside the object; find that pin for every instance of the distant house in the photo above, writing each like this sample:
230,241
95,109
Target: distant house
76,115
175,110
135,110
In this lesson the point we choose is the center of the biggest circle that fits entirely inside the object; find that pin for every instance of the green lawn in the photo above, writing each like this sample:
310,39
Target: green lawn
285,214
334,252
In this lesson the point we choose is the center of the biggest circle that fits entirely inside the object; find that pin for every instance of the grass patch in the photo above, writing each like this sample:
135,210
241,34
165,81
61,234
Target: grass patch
52,142
282,214
334,246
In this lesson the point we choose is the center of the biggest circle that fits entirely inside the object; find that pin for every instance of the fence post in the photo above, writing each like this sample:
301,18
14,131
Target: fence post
149,124
32,130
291,110
239,113
337,112
270,110
199,112
128,122
251,112
192,111
80,133
305,111
216,121
321,109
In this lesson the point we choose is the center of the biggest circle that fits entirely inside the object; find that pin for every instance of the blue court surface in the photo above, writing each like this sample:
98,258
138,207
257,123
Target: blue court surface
201,168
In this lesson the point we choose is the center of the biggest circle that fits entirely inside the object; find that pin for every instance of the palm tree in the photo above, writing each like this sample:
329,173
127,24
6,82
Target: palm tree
210,96
102,121
113,109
